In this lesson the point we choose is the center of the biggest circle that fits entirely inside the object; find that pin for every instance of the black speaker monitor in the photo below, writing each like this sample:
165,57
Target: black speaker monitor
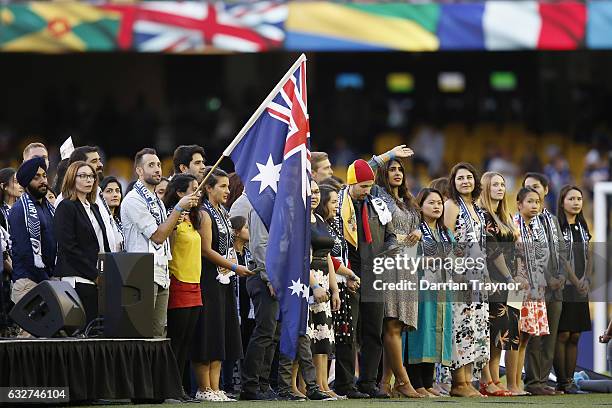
126,294
51,306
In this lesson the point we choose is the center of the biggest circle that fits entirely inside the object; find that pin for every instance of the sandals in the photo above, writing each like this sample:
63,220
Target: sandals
498,393
398,393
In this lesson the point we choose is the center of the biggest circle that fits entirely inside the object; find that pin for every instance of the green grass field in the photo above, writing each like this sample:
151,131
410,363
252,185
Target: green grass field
581,401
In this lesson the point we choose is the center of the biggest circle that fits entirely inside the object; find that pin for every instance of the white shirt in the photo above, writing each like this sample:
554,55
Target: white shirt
113,243
138,226
95,225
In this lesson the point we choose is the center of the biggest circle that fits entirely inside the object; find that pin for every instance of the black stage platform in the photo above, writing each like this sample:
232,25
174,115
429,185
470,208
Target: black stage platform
92,369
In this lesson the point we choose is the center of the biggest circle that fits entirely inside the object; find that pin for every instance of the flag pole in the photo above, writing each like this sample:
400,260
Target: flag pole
228,150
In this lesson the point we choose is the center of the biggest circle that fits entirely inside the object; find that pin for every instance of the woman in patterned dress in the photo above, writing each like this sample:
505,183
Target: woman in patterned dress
401,307
322,276
503,315
470,308
531,258
348,282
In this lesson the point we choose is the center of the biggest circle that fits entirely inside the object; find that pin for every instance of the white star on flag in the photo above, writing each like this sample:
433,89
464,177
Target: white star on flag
296,287
306,292
269,175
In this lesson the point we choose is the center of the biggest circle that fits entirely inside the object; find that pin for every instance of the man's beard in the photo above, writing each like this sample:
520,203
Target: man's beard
151,181
36,192
100,174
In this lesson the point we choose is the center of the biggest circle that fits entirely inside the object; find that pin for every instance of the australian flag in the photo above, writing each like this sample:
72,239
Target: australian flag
271,155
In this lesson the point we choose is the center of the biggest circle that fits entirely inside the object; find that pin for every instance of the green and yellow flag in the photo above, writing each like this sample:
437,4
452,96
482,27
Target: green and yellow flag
57,27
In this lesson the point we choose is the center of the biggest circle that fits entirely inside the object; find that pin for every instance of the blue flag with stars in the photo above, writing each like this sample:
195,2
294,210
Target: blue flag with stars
272,157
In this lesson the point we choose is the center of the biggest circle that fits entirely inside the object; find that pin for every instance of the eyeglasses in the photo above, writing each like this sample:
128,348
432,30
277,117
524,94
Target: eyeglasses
84,176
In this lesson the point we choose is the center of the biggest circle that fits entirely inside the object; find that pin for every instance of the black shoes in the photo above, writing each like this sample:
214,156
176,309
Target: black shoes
257,396
572,389
375,392
270,395
317,395
287,396
188,399
352,394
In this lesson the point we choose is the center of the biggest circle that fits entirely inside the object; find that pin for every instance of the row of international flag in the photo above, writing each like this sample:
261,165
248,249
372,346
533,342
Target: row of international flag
258,26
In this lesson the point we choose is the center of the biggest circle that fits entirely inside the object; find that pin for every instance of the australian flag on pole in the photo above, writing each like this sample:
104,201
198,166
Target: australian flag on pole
271,154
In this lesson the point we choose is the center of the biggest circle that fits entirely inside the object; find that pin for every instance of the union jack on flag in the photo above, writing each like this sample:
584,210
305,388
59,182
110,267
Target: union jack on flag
165,26
271,154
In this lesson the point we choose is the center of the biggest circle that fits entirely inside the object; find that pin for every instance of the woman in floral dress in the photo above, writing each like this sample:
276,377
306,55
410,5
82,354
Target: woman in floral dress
322,276
470,308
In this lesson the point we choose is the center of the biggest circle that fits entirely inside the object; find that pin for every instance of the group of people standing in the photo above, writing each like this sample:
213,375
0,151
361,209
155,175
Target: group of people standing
214,300
442,342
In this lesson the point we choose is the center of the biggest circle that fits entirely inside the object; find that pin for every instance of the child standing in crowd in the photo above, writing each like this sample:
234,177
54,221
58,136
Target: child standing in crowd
541,349
246,312
532,257
241,253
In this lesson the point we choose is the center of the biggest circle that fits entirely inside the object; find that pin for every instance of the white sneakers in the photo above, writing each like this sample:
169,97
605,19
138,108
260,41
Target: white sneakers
224,397
213,396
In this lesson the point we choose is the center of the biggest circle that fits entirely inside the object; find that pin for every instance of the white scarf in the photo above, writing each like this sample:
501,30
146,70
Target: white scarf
32,222
161,251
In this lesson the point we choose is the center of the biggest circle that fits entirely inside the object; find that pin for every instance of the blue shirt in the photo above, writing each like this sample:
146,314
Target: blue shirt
22,255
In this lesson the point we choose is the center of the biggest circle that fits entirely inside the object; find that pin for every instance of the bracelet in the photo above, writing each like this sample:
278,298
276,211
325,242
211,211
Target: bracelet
234,267
179,208
316,286
391,155
509,279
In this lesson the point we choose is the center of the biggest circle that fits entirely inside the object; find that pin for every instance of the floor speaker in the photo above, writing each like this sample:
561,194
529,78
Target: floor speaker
49,308
125,293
